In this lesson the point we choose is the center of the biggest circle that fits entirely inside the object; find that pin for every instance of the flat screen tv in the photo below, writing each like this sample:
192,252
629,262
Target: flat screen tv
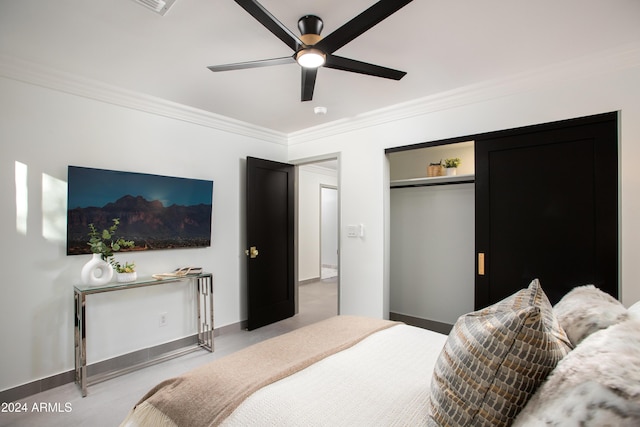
156,212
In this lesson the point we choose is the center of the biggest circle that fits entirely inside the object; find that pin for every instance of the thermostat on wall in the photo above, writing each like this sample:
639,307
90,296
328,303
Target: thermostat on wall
355,230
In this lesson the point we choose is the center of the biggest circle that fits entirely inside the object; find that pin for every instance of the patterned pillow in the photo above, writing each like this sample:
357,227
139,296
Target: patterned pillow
494,359
587,309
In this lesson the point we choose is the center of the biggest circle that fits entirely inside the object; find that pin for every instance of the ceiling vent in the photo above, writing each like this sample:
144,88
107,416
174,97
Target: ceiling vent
158,6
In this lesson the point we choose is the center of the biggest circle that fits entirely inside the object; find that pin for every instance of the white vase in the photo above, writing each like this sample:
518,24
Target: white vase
451,171
126,277
96,272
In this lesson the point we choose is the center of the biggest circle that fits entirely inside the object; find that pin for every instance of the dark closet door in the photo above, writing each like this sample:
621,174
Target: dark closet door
547,208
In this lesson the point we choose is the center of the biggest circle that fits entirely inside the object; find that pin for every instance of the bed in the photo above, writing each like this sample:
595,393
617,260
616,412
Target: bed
353,370
508,364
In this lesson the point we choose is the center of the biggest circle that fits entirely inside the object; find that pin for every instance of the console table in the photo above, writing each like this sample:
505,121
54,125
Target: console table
204,302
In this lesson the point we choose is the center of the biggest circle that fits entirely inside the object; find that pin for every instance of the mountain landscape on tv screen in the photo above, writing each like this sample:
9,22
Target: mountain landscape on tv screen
149,223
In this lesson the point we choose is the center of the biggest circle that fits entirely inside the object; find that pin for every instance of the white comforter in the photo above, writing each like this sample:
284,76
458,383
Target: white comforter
382,381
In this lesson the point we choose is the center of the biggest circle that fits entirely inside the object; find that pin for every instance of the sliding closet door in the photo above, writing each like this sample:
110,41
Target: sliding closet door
547,208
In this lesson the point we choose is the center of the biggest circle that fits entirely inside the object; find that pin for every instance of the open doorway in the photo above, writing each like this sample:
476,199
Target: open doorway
318,239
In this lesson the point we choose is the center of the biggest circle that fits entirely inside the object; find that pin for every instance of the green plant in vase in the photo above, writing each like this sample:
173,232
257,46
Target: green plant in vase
452,162
451,165
127,267
125,272
105,243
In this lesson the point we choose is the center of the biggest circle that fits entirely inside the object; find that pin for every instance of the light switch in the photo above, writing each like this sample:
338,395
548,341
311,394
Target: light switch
355,230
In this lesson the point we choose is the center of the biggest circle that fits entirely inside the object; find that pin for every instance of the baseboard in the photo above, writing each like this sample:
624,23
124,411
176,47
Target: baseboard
335,267
234,327
35,387
116,363
307,281
432,325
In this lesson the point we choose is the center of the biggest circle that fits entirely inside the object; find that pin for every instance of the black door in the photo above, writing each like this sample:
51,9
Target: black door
270,241
547,208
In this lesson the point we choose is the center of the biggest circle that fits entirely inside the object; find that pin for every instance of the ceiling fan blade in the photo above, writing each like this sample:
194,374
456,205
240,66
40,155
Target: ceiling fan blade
308,83
253,64
263,16
361,23
346,64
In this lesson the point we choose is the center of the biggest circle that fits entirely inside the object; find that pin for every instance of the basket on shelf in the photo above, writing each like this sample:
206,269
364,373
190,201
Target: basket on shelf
435,169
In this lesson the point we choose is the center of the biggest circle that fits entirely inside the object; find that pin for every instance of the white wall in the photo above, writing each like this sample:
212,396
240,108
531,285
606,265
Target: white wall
363,183
609,82
46,130
310,180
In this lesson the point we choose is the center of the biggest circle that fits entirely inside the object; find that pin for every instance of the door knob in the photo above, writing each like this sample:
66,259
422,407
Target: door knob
252,252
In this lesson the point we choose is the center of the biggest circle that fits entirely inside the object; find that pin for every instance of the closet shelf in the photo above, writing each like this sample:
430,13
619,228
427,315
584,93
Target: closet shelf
435,180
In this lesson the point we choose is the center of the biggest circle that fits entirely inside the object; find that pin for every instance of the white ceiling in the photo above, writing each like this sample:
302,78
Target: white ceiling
442,45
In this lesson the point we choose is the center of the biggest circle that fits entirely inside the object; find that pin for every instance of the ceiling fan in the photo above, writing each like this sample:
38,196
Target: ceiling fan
312,51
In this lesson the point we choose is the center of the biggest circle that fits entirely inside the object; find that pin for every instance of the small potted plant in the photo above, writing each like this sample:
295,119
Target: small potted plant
124,272
451,165
103,244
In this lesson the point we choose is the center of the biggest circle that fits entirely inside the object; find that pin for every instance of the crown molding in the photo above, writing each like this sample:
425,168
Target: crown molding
28,72
623,57
620,58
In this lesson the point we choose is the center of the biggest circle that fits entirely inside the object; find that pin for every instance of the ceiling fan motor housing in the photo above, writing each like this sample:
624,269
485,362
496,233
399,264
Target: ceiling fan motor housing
310,27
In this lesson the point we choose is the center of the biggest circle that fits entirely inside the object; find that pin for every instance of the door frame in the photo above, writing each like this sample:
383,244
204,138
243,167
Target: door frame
303,162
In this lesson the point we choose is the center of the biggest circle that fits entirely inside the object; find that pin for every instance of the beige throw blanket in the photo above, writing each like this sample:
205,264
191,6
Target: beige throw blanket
207,395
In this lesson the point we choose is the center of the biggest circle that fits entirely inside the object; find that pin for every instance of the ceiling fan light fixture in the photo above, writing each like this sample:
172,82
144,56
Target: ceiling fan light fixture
311,58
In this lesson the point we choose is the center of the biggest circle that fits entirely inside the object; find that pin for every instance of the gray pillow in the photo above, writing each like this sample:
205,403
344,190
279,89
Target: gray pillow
587,309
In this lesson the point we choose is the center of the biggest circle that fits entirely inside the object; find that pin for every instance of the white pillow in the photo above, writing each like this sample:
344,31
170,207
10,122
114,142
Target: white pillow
597,384
634,311
587,309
